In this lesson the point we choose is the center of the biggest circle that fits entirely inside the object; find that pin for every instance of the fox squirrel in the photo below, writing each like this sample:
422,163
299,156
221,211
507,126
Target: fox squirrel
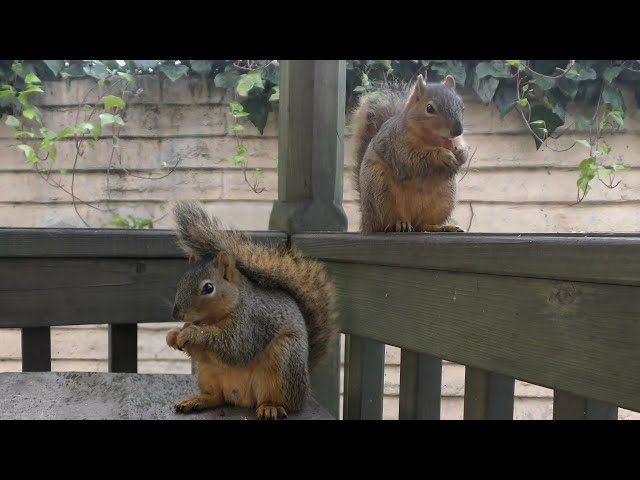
409,147
258,318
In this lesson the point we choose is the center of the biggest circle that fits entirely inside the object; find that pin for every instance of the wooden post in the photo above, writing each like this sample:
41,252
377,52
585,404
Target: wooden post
567,406
420,386
36,349
310,171
487,395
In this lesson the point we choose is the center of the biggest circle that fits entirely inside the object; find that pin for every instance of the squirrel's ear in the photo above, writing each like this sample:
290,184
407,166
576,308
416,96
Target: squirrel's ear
419,89
227,266
449,81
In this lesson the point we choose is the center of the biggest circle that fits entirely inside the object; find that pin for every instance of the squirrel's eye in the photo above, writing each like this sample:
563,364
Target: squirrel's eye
207,288
430,109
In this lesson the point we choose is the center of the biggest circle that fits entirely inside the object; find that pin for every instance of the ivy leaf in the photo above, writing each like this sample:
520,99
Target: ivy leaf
111,101
551,120
275,96
258,108
581,74
611,73
127,76
29,153
227,79
455,68
96,70
620,168
494,68
54,65
612,96
20,133
506,97
485,87
584,143
248,82
543,82
32,78
271,73
146,64
236,159
203,67
174,72
568,87
74,70
108,119
12,121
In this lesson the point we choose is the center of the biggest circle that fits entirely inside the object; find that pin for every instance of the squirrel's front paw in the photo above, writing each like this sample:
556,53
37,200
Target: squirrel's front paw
462,155
172,337
184,336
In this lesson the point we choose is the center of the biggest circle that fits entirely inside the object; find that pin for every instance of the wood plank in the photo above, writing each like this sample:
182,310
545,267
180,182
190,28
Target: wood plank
123,348
562,257
36,349
97,243
364,379
576,336
59,291
113,396
420,386
567,406
310,170
487,395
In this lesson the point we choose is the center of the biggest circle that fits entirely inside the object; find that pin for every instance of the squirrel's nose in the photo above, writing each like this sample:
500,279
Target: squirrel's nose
456,131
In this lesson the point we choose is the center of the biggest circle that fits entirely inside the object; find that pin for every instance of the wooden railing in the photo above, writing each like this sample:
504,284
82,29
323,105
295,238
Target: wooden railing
81,277
561,311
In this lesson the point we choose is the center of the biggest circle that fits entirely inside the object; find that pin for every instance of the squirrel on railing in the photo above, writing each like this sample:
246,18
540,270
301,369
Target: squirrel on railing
409,148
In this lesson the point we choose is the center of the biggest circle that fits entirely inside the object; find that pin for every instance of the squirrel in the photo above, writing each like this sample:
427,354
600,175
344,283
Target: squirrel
409,147
257,318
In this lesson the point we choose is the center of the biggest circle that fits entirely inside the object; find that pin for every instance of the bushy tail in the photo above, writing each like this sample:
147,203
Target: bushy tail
306,280
375,109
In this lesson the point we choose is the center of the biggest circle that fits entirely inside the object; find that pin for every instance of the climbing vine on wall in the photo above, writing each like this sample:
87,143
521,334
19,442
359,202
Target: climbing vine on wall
538,90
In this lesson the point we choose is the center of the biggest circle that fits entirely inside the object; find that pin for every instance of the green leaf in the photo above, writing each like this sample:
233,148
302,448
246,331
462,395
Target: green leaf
604,172
620,168
67,132
258,108
48,133
485,87
227,79
612,96
568,87
111,101
53,152
32,89
583,123
241,150
455,68
203,67
249,83
587,166
523,102
236,127
32,78
146,64
552,120
74,70
611,73
359,89
174,72
580,74
604,148
543,82
54,65
22,133
584,143
92,128
96,70
493,68
236,159
29,153
275,96
108,119
271,73
12,121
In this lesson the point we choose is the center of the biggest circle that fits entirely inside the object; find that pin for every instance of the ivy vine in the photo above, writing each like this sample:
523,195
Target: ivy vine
539,90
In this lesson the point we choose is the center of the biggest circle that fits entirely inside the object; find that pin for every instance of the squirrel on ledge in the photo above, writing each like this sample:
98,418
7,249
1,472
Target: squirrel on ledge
257,318
409,148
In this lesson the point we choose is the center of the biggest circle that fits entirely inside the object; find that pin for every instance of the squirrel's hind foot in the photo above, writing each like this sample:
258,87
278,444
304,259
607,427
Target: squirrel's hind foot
269,412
